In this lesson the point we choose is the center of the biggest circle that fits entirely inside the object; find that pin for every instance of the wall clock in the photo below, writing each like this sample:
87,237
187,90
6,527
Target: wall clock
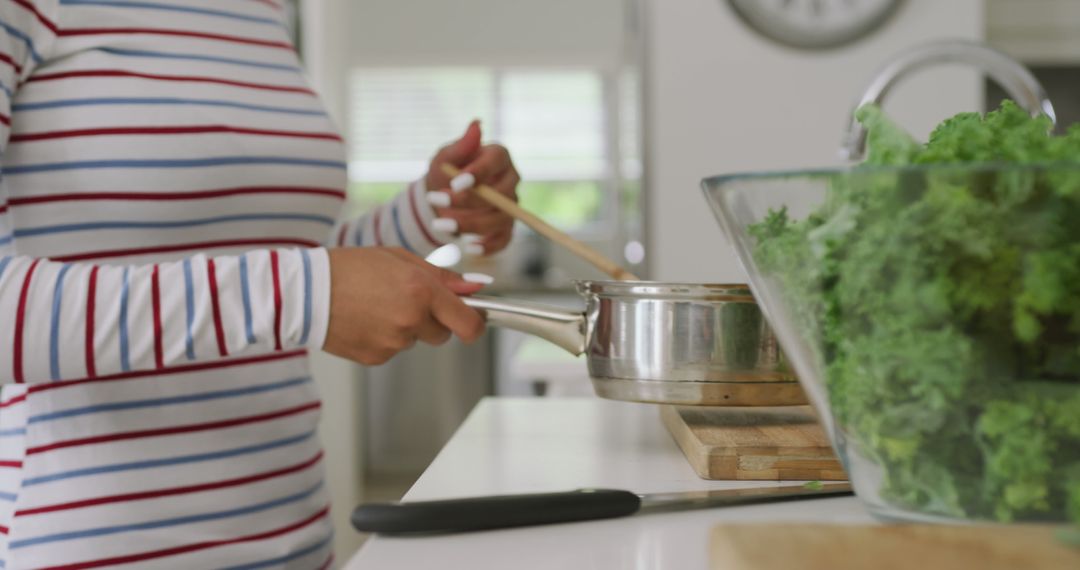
815,24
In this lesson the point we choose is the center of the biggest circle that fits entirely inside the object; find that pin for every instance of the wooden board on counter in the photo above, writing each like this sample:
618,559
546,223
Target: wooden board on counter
916,547
753,444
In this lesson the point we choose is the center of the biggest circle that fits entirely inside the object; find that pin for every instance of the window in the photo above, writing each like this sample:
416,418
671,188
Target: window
561,125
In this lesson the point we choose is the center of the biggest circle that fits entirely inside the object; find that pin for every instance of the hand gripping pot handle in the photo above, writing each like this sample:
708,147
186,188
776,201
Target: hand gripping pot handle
565,328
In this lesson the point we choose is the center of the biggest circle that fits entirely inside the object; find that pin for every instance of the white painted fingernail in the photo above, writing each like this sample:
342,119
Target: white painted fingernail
445,225
463,182
438,199
473,249
480,278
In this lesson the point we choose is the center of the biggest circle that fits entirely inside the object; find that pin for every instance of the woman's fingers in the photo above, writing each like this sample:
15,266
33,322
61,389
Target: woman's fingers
490,164
497,241
492,167
384,300
474,215
459,153
449,310
434,333
481,222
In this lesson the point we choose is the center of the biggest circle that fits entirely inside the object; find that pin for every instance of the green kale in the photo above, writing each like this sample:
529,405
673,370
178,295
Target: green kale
945,299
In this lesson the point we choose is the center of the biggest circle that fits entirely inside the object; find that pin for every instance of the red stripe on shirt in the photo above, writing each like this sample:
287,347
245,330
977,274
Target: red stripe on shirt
170,32
91,300
341,235
165,552
20,323
6,120
128,497
3,208
134,375
169,130
277,299
159,77
167,196
155,295
10,463
161,432
173,248
329,562
378,225
219,329
16,400
5,58
420,221
41,18
270,3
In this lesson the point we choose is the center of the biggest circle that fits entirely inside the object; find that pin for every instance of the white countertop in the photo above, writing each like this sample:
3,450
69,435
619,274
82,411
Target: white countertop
539,445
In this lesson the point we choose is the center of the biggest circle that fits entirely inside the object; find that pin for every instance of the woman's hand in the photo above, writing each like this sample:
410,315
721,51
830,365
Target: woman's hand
383,300
486,164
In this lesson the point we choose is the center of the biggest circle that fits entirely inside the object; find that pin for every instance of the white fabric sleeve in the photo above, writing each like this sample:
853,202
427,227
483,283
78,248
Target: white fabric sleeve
404,221
84,321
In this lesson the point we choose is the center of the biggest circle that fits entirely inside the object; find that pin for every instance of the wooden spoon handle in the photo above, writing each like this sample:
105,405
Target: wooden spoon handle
512,209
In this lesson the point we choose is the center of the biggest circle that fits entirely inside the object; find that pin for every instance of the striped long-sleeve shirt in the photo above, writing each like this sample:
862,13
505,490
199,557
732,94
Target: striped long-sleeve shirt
167,178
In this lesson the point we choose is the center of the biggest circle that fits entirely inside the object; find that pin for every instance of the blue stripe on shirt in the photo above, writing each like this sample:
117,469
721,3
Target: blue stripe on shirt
286,558
189,303
162,523
16,169
142,225
126,101
20,35
245,290
125,360
9,497
173,8
197,57
166,462
4,261
4,240
307,296
12,431
54,324
397,228
171,401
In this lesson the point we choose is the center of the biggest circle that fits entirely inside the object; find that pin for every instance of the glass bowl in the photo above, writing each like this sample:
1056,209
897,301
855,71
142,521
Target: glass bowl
933,317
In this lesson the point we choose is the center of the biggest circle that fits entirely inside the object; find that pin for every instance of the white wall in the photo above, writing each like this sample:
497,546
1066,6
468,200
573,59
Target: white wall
518,32
721,99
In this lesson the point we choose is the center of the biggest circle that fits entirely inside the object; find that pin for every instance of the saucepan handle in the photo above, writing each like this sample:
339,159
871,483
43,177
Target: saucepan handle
562,327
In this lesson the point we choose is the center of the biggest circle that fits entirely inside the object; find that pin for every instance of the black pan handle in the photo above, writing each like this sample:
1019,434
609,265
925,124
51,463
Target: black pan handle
483,513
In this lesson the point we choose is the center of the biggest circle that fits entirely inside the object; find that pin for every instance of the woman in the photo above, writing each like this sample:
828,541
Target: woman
167,181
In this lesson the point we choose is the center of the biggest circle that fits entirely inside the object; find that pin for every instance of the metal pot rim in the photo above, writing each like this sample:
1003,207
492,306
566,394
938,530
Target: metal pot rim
663,290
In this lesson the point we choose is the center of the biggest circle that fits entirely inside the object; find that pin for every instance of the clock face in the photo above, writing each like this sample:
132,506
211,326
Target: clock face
815,23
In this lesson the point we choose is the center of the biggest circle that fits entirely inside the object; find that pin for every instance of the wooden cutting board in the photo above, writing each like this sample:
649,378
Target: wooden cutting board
915,547
754,444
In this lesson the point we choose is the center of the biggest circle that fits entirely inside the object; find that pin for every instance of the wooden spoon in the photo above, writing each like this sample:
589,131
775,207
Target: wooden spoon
512,209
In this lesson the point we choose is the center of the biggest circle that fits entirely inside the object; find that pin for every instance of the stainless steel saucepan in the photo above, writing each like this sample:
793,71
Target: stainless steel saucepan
683,344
